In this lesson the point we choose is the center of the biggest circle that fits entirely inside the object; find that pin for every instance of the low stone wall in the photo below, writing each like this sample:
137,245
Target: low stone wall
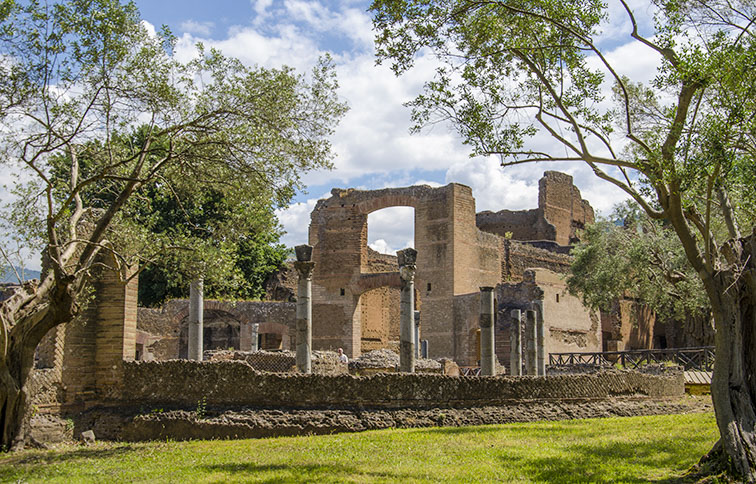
323,362
180,383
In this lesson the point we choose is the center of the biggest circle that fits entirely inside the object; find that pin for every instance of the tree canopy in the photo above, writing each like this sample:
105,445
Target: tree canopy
86,82
629,255
682,146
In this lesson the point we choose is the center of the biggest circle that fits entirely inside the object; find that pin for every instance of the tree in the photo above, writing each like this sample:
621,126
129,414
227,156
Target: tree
227,232
86,80
629,255
513,69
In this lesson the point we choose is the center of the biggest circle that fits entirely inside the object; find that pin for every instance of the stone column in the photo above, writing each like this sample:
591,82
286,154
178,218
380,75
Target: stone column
417,334
530,340
196,319
515,343
487,352
407,259
540,339
304,267
255,328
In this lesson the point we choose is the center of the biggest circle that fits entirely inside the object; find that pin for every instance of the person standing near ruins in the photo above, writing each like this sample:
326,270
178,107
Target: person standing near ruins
342,357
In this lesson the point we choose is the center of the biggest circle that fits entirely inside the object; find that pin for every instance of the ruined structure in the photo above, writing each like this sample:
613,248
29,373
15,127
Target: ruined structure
87,368
458,251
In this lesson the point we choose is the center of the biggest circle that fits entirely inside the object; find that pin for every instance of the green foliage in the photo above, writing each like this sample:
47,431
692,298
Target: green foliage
201,412
632,449
629,255
682,146
238,232
177,165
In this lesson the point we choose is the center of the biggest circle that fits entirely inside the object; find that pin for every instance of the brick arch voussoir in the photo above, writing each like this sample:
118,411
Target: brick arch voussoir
380,202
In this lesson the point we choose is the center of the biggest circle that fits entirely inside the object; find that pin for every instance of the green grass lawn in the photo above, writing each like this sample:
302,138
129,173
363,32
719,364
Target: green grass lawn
637,449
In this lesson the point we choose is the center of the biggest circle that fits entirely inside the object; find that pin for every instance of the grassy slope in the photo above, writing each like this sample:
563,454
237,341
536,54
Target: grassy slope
637,449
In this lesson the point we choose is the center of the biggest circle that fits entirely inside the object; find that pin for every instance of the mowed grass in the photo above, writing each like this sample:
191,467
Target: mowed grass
633,449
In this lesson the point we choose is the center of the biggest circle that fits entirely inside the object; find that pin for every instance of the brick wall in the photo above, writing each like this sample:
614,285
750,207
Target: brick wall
561,213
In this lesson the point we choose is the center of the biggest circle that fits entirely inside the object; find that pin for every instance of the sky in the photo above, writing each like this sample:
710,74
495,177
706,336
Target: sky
373,146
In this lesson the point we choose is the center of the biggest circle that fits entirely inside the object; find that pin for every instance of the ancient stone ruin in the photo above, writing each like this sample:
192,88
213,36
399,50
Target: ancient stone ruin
356,291
103,368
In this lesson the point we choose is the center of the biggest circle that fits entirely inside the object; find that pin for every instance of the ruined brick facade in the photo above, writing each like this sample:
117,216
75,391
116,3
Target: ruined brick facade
354,299
162,332
356,290
560,214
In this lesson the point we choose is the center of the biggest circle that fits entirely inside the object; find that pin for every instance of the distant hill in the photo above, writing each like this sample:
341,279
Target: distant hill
8,275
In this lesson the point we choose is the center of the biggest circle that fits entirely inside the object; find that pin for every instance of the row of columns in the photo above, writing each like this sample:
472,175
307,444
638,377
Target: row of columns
535,357
409,343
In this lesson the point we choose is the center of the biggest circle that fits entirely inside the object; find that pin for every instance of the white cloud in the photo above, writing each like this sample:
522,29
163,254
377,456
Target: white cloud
150,28
261,6
295,220
382,246
495,188
197,28
391,229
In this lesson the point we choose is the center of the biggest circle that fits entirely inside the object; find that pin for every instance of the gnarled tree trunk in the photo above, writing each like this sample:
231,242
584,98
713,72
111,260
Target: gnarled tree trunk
26,317
733,389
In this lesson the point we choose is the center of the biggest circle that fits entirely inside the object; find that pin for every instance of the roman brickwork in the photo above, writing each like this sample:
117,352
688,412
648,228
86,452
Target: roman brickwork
560,214
454,259
356,290
355,295
227,325
83,358
569,326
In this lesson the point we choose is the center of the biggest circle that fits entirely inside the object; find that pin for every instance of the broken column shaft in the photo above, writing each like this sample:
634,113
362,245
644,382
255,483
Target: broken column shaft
540,340
254,345
417,334
304,267
196,319
530,339
487,353
406,259
515,343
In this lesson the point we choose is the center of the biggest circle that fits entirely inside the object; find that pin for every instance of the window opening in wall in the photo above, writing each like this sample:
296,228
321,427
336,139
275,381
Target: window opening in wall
429,287
391,229
557,298
342,291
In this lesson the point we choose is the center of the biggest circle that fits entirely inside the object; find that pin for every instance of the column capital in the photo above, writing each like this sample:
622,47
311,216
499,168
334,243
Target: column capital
407,273
304,268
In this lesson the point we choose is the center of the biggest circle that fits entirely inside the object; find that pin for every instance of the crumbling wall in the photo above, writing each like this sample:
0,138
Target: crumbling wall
560,215
164,329
570,326
517,224
517,257
184,383
454,258
323,362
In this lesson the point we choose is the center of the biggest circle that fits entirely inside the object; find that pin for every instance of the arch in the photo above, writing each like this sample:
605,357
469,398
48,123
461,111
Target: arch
374,200
221,331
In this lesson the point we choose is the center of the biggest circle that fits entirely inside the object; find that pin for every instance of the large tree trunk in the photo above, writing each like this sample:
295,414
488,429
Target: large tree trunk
733,388
13,405
26,320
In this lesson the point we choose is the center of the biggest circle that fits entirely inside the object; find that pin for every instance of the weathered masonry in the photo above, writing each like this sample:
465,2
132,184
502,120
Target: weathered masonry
459,251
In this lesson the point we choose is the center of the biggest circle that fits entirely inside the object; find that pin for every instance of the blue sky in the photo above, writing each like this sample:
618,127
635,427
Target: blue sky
372,144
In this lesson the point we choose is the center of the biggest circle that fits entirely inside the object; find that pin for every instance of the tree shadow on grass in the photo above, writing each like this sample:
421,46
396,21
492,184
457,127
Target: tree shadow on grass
12,466
283,473
606,462
54,457
555,426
